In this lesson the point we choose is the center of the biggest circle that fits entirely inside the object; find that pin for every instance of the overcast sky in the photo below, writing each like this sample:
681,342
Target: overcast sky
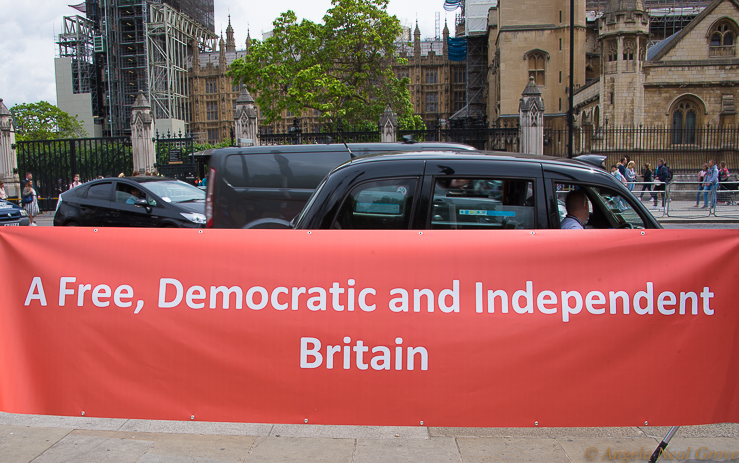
28,30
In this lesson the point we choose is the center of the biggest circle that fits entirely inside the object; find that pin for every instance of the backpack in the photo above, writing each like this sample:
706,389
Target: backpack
669,174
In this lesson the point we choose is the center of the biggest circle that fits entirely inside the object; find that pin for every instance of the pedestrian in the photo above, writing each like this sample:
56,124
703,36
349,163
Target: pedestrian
661,177
723,184
58,188
3,195
76,182
28,177
709,184
622,166
630,175
701,177
647,178
135,173
30,201
616,173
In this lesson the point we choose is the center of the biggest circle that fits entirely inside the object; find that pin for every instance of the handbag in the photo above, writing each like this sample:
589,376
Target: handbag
27,199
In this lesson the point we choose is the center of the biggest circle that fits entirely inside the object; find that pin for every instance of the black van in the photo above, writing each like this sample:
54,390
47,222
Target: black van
275,182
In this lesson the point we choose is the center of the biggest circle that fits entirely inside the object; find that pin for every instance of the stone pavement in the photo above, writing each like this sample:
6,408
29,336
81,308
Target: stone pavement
40,439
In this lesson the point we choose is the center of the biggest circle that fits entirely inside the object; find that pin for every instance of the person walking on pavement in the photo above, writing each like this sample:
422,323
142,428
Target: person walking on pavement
30,201
3,195
630,175
661,176
647,176
709,184
701,177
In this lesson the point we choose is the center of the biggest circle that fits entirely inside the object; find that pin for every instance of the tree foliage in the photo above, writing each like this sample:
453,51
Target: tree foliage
341,68
44,121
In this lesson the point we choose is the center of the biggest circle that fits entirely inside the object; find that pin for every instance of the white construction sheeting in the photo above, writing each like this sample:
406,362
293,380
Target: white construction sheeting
476,16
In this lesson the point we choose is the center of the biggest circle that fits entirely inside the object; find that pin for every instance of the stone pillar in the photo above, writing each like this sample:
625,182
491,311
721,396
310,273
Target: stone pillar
388,126
531,118
245,120
142,127
8,160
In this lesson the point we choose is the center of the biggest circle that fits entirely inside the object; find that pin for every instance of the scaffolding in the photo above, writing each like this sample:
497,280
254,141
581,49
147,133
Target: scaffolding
77,43
169,37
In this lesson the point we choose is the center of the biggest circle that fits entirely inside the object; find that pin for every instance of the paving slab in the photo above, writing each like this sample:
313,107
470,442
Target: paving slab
437,450
21,444
519,450
540,432
298,450
350,432
707,430
583,450
702,449
198,427
51,421
98,447
198,448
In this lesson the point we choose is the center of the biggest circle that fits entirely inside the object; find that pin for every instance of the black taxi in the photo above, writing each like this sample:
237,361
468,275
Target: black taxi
465,190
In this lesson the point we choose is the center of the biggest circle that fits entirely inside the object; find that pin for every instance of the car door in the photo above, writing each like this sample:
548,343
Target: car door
480,193
123,211
95,205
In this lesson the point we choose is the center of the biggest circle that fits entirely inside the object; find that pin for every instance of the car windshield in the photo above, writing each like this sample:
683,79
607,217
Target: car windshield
176,191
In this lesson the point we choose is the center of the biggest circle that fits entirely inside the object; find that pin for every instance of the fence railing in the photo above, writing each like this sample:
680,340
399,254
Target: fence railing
50,161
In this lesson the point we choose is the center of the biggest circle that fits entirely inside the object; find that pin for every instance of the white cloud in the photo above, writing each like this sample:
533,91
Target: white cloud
28,30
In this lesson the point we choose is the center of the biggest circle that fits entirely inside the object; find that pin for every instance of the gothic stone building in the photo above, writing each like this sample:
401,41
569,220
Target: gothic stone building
687,81
531,38
212,94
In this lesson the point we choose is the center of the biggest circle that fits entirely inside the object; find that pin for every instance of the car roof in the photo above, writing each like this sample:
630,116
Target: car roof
452,154
339,147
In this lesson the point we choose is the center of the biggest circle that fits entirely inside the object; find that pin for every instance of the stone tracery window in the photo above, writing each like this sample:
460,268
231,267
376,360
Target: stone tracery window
537,67
722,39
629,54
684,122
611,57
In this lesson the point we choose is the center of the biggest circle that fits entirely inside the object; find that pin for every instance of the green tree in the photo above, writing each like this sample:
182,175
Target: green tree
44,121
341,68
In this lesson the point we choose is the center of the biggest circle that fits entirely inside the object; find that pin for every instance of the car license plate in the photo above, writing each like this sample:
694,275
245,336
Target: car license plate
11,224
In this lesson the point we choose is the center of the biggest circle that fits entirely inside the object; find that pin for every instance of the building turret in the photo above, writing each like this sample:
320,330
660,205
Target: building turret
417,42
248,41
445,35
195,57
222,55
230,42
623,35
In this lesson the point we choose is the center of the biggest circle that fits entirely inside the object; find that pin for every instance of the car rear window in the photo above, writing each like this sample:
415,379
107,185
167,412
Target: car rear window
281,170
100,191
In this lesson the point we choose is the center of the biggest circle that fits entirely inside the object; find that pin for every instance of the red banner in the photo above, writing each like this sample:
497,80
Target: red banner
443,328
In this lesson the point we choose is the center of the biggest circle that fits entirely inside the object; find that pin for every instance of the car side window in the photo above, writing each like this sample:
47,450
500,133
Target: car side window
483,204
608,209
382,204
128,194
101,191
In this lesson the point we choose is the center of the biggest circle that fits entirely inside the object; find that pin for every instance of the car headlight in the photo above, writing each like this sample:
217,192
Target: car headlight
24,213
194,217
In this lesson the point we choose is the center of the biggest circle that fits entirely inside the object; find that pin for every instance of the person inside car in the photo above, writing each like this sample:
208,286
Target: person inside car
577,205
135,196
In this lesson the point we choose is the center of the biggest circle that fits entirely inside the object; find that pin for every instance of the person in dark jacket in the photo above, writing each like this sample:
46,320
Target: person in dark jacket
647,176
661,174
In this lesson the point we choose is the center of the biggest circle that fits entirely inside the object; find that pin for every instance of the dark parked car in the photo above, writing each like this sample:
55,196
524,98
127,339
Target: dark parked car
248,184
465,190
132,202
12,215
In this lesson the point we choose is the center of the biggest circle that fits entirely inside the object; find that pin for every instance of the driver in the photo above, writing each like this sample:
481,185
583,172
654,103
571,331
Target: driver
577,211
135,195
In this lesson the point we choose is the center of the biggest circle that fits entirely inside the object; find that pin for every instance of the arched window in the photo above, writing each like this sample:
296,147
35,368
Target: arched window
596,119
722,39
629,52
611,57
537,67
684,122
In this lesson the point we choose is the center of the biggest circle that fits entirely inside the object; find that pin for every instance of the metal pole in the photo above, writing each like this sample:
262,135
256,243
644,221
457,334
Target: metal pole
570,112
663,445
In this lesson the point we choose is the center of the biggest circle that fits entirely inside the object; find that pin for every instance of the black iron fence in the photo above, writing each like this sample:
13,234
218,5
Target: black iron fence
318,138
685,150
174,157
53,163
491,139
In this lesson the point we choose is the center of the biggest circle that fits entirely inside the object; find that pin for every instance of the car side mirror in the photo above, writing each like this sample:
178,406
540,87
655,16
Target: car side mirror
141,203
